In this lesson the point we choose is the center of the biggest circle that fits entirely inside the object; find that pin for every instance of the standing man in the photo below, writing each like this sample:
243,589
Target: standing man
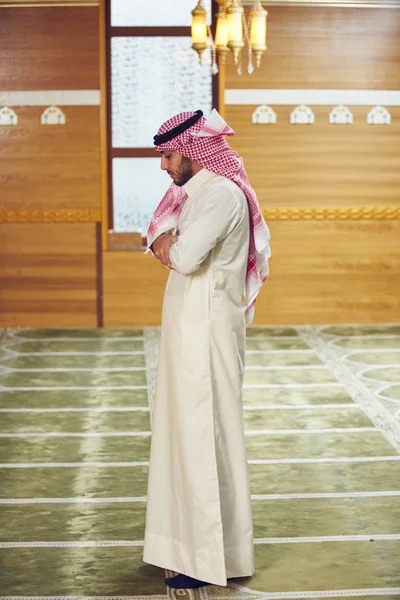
209,231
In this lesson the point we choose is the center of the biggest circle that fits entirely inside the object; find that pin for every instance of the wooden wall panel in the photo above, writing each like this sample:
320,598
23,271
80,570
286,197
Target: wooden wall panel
321,272
133,287
51,167
321,164
339,272
326,48
48,275
49,48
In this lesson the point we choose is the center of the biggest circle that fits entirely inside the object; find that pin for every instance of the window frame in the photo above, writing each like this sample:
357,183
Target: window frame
113,152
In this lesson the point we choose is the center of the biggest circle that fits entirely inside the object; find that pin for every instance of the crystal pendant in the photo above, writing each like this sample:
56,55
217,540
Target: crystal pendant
250,68
239,69
214,68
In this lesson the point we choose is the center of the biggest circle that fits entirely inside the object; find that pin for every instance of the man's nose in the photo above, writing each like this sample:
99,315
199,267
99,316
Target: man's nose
163,163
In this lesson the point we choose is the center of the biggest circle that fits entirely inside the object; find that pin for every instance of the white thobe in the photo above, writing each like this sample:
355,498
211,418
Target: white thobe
199,519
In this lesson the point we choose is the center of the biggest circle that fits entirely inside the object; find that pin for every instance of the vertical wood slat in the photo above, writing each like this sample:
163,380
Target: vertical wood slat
106,5
106,196
99,276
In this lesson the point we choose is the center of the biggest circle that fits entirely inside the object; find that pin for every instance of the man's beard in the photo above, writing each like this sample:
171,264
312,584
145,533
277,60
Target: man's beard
184,173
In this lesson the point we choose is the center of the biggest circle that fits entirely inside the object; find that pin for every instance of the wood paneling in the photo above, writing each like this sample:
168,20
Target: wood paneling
321,272
133,289
51,166
50,173
125,241
49,48
339,272
48,275
319,165
326,48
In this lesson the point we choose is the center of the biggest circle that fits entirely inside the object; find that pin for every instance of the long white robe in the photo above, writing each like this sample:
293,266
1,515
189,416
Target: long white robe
199,512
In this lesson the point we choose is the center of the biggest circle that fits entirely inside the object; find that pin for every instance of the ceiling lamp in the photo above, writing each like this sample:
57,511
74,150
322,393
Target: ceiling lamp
232,32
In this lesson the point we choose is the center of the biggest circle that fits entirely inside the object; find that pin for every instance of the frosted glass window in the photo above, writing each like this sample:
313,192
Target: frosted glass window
154,13
138,186
154,78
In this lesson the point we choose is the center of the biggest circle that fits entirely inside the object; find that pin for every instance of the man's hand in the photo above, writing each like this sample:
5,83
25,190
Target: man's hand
161,247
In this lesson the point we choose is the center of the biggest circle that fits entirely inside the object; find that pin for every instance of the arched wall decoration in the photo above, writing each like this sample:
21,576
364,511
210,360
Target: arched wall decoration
53,116
8,116
379,115
264,115
341,115
302,115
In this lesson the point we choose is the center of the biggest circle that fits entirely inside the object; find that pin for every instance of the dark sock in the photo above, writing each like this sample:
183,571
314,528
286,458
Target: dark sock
184,582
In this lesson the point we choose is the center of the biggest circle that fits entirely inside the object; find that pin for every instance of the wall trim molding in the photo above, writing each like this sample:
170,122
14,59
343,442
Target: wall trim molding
50,98
67,215
372,213
93,215
46,3
312,3
330,3
312,97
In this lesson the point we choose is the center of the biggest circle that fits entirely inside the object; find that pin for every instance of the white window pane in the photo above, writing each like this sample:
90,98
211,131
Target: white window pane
138,186
154,78
154,13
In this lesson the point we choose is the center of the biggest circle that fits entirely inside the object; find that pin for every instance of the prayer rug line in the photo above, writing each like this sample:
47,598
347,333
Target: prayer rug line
260,497
351,405
16,340
257,541
254,432
307,595
94,353
81,388
304,595
119,369
260,461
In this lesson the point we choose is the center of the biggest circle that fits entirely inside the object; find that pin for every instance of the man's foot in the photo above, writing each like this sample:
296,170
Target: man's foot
184,582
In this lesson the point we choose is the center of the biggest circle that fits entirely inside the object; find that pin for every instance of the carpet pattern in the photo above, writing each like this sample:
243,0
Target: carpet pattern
322,420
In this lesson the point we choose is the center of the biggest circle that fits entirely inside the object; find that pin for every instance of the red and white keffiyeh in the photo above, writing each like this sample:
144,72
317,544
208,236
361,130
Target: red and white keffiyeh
205,143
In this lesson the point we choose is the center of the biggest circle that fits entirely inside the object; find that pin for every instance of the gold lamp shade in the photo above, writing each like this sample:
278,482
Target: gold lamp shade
258,31
199,29
234,15
221,35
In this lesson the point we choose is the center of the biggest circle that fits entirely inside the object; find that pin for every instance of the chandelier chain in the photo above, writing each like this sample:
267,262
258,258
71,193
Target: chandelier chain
246,27
214,65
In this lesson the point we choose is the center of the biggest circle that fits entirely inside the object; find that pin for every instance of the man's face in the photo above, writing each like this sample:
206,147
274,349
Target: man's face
178,167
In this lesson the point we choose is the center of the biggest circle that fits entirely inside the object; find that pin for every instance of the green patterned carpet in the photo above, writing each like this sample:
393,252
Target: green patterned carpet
322,418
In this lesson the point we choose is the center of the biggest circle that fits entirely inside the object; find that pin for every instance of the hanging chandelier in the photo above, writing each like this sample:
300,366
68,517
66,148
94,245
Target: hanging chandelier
232,32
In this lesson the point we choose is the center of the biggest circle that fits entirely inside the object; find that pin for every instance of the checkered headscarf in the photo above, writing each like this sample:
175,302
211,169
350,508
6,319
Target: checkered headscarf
205,143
